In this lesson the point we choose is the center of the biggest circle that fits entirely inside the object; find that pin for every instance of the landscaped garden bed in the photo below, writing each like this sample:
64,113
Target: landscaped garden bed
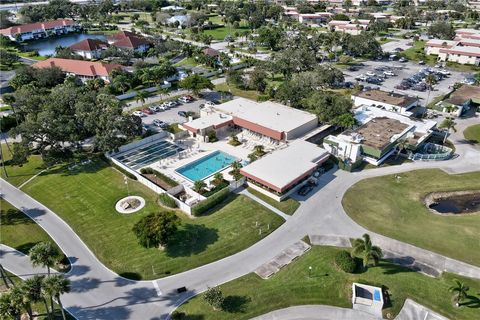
158,178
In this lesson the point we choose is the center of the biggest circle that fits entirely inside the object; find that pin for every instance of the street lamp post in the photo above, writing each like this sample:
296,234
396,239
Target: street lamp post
310,271
125,179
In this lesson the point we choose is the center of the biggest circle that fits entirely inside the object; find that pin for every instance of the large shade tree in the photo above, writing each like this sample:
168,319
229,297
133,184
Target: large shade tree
156,229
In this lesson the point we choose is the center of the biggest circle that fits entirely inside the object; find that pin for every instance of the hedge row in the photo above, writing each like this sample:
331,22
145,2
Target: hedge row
344,261
210,202
166,200
160,176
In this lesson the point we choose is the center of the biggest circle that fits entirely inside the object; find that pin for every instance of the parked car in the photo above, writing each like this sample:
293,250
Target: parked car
361,77
403,59
153,109
139,114
389,73
353,68
374,80
209,104
306,189
147,111
182,114
420,87
186,99
160,123
421,62
370,73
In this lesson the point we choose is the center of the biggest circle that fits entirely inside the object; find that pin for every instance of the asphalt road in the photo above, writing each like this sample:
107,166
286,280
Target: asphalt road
99,293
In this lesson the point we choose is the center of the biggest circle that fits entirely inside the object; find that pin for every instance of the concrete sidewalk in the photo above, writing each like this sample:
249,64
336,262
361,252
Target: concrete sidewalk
263,203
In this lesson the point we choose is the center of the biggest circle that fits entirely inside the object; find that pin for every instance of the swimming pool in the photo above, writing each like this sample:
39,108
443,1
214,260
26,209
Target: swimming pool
206,166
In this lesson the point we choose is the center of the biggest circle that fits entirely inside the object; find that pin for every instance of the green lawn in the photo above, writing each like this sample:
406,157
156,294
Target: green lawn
190,62
251,296
288,206
19,174
19,231
249,94
85,199
472,133
417,53
394,207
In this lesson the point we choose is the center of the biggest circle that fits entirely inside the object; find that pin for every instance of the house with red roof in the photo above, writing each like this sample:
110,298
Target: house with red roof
89,48
39,30
84,70
129,41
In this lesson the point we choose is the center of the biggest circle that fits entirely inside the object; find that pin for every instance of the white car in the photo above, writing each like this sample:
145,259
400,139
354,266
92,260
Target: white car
209,104
370,74
389,73
139,114
163,107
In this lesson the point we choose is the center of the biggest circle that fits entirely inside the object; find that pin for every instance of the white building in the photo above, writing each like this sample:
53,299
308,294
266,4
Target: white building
39,30
391,101
377,136
461,54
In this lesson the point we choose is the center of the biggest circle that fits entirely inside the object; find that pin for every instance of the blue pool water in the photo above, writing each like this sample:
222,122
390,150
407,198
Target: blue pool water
206,166
376,295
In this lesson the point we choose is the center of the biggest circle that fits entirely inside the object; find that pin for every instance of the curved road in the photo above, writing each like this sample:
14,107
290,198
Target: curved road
99,293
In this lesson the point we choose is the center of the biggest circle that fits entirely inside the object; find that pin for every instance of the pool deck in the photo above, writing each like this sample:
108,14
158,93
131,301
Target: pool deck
194,151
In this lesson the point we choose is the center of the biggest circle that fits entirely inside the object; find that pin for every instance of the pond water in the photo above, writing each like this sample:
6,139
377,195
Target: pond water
47,46
458,204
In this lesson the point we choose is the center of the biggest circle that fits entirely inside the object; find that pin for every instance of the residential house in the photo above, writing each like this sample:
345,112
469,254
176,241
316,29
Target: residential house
89,48
129,41
84,70
461,100
39,30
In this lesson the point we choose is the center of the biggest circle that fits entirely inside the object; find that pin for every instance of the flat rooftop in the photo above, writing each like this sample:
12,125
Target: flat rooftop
282,167
211,120
268,114
378,132
396,99
463,94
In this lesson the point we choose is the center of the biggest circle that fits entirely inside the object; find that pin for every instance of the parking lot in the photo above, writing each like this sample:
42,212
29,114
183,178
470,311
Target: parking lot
403,70
171,115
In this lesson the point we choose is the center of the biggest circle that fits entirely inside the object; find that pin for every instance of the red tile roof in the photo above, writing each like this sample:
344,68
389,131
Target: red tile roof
210,52
89,45
130,42
79,67
122,34
36,26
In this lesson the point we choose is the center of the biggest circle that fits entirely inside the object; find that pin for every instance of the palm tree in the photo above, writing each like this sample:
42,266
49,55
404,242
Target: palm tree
459,291
19,298
141,96
259,150
9,307
430,81
448,124
401,145
199,186
366,250
33,291
44,254
54,287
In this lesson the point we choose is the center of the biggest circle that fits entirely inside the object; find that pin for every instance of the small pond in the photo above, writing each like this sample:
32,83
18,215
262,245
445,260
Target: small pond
47,46
457,204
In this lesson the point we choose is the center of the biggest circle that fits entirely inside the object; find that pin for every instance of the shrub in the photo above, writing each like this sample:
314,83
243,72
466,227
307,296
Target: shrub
210,202
160,176
167,201
344,261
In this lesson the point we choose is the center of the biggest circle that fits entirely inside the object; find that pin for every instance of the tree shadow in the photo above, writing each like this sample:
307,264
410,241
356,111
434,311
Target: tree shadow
25,247
191,239
235,304
113,312
84,285
131,275
472,302
14,217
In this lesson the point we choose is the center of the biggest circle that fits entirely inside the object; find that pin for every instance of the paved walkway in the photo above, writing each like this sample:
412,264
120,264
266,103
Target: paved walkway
246,193
410,311
99,293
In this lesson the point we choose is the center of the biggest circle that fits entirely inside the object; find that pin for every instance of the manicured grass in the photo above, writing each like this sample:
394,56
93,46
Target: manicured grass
19,174
417,53
19,231
187,62
288,206
249,94
472,133
251,296
85,198
394,207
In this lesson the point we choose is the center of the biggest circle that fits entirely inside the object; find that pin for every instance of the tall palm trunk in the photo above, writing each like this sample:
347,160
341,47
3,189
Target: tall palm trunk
61,307
6,279
47,309
52,307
